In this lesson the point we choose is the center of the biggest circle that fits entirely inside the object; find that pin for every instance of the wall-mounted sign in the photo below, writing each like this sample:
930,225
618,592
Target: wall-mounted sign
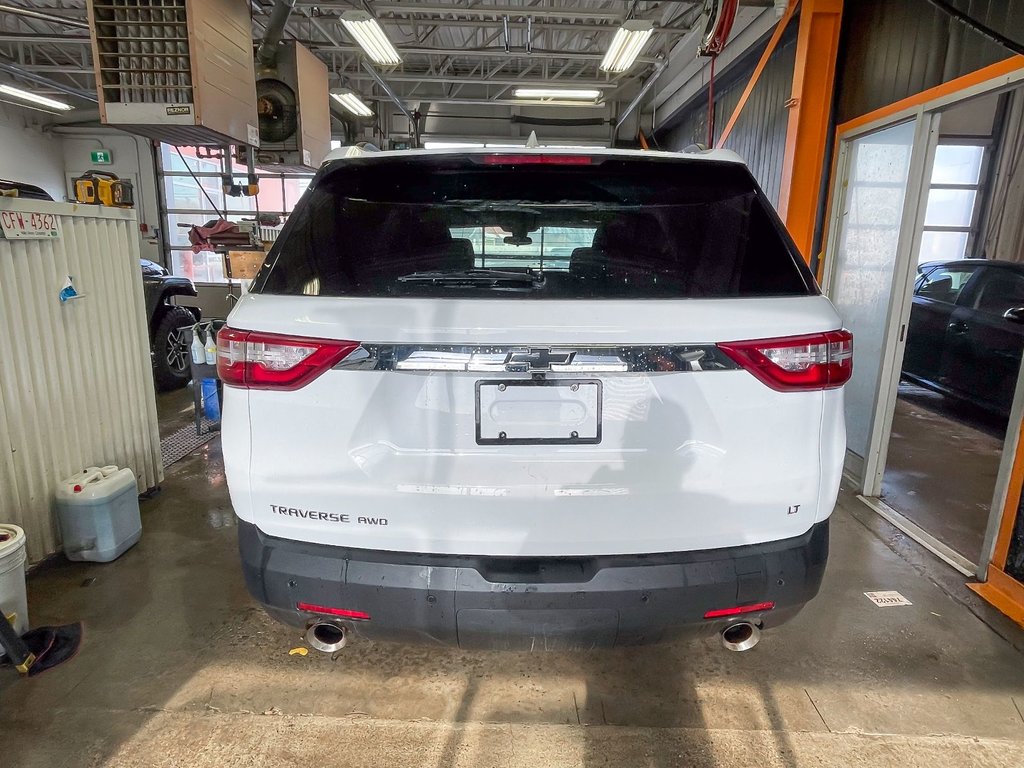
25,225
101,157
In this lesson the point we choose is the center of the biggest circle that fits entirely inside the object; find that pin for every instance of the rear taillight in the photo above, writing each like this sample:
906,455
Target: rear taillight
797,363
256,360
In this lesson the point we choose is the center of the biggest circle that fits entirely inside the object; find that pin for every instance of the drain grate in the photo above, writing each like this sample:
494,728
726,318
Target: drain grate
184,441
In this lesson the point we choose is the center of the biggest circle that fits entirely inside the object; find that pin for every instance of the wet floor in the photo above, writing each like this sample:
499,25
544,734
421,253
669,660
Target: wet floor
180,668
931,435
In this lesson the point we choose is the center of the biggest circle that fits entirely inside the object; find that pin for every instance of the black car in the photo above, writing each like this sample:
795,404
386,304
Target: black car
967,331
167,322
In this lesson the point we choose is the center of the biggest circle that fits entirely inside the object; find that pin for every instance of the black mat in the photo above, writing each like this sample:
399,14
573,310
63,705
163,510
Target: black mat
51,646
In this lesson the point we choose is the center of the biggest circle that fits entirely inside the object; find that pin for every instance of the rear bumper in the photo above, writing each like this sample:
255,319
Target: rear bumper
549,603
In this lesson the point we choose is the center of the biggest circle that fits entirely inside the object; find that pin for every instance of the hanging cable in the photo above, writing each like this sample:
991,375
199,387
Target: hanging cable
977,26
711,104
199,184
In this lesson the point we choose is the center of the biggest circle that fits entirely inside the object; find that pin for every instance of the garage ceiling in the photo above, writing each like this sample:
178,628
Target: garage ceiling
453,51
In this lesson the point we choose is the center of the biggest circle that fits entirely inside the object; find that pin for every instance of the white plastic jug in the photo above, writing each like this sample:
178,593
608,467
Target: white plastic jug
98,513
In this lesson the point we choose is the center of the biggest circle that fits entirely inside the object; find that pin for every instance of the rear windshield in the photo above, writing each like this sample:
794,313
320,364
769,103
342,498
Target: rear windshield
459,227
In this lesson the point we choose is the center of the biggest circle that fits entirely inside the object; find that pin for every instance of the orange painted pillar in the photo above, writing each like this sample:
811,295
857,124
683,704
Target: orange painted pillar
1001,589
807,135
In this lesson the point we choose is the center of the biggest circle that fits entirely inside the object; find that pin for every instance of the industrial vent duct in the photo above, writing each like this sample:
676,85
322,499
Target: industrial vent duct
179,71
293,102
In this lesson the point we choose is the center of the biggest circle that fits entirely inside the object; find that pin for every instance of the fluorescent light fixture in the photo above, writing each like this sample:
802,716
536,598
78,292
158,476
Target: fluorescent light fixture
563,94
350,101
629,40
35,98
367,32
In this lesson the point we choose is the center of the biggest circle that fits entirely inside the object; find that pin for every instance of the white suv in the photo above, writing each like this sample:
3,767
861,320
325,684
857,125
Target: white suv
536,399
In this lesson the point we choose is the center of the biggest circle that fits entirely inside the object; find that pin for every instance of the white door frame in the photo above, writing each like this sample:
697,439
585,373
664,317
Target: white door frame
870,474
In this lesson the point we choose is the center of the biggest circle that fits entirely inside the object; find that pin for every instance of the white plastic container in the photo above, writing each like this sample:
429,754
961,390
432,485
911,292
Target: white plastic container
12,577
98,512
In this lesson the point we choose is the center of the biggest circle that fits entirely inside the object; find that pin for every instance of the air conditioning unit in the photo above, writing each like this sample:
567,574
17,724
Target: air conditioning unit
179,71
293,104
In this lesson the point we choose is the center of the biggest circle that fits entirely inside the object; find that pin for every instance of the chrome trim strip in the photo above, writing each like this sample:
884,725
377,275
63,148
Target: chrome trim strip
442,358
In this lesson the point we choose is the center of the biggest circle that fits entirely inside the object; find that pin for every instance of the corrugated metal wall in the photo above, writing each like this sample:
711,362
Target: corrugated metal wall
892,49
76,385
760,133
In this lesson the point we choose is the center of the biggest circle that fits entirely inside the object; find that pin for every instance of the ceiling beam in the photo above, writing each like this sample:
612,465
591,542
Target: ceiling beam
58,69
398,77
388,21
512,11
20,71
494,52
469,101
39,15
35,39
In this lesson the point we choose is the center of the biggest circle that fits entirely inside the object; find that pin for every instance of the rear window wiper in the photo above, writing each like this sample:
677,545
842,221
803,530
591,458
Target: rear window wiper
476,278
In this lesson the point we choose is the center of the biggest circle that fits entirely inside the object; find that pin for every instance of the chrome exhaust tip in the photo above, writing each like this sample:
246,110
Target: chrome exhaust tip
741,636
326,636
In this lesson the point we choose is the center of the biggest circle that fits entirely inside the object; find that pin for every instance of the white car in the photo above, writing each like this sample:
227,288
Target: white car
540,399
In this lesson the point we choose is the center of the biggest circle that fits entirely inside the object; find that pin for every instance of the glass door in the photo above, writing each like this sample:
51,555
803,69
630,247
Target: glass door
869,268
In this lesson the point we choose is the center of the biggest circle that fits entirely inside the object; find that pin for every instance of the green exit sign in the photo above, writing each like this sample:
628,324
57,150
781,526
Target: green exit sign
101,157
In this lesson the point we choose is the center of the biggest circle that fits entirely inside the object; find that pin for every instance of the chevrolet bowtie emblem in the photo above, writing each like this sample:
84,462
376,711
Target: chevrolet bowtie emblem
536,359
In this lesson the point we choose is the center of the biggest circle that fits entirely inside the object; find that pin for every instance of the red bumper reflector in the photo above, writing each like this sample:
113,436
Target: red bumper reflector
343,613
736,610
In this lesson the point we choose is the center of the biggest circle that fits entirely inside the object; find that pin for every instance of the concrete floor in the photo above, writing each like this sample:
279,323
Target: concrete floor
179,668
931,434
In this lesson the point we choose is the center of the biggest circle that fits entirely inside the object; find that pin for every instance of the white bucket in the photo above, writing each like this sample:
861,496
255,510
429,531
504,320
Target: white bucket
12,577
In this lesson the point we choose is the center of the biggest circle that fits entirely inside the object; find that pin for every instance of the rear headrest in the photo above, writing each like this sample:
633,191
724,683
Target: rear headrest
588,263
461,252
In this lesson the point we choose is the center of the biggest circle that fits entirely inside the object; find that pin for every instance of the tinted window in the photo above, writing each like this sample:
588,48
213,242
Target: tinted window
945,283
451,227
1000,290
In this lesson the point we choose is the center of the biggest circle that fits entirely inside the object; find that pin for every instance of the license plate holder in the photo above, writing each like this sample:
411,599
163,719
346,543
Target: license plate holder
523,412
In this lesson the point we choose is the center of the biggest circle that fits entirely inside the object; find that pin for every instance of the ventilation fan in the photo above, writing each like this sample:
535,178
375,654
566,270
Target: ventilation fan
278,111
293,105
717,18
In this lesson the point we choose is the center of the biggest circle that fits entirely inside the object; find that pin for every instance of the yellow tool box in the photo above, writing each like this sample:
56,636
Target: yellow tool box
104,188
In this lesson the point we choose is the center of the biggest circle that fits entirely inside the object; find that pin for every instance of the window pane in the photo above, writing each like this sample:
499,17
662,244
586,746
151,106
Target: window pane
551,248
881,161
270,199
183,192
942,246
622,229
875,207
177,235
945,284
957,164
197,202
205,267
172,158
1003,289
950,207
293,190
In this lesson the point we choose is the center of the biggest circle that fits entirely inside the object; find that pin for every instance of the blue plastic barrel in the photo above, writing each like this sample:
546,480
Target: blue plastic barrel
211,402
